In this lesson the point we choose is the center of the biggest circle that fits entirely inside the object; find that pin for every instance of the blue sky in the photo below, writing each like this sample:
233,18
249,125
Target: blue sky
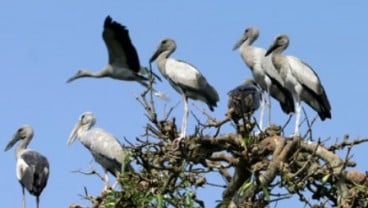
43,44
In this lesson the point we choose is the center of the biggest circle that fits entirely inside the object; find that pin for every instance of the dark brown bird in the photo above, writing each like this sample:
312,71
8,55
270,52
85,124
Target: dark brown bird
244,100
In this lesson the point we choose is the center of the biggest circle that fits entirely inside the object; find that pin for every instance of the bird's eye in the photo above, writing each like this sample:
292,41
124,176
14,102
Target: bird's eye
20,130
164,42
246,30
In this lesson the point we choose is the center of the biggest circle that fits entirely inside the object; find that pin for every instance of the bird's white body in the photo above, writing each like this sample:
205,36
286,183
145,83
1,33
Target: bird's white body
253,58
121,73
22,168
261,66
298,73
26,172
104,147
182,73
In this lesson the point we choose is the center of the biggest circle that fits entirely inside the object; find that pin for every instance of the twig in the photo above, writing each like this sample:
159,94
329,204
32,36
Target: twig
216,185
286,123
91,172
347,143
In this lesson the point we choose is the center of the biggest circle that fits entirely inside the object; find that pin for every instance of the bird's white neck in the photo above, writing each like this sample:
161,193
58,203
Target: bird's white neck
21,148
161,61
81,134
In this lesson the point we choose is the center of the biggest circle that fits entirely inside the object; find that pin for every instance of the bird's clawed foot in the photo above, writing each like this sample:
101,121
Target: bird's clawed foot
295,134
107,183
107,187
116,183
177,142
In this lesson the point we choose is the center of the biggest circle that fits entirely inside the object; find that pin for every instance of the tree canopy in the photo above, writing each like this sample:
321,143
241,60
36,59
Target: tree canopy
258,169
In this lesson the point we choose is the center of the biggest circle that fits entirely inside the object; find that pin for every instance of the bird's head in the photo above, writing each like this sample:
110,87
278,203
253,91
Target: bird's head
166,45
280,43
85,122
23,133
80,73
250,81
251,34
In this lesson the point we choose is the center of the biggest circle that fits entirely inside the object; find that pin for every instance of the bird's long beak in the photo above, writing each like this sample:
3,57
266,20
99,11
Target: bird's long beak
11,143
156,54
73,134
71,79
240,42
145,70
271,49
77,75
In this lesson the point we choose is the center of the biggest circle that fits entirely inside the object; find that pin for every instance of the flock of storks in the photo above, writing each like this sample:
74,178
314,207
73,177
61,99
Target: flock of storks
285,78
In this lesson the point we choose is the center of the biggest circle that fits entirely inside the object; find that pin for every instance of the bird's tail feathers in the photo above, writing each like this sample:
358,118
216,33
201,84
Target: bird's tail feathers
319,103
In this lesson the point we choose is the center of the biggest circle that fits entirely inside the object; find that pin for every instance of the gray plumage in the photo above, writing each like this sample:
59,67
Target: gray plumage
123,58
104,147
184,78
32,168
244,100
300,79
263,72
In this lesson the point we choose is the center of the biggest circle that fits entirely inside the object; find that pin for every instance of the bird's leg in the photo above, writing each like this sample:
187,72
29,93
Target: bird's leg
269,109
297,117
106,181
261,115
115,184
23,198
117,180
37,201
183,132
185,119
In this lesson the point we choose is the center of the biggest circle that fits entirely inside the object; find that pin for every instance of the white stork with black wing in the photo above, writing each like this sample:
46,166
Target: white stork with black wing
104,147
123,58
185,79
263,73
32,168
300,79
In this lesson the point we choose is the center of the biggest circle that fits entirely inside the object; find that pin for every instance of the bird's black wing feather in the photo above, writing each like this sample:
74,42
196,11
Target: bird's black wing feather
40,165
120,47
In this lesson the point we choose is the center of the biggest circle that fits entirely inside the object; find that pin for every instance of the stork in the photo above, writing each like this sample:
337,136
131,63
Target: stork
300,79
123,58
32,168
184,78
263,73
104,147
244,100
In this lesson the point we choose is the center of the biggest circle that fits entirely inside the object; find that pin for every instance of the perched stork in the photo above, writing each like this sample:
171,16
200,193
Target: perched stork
105,148
263,73
184,78
123,57
32,168
300,79
244,100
